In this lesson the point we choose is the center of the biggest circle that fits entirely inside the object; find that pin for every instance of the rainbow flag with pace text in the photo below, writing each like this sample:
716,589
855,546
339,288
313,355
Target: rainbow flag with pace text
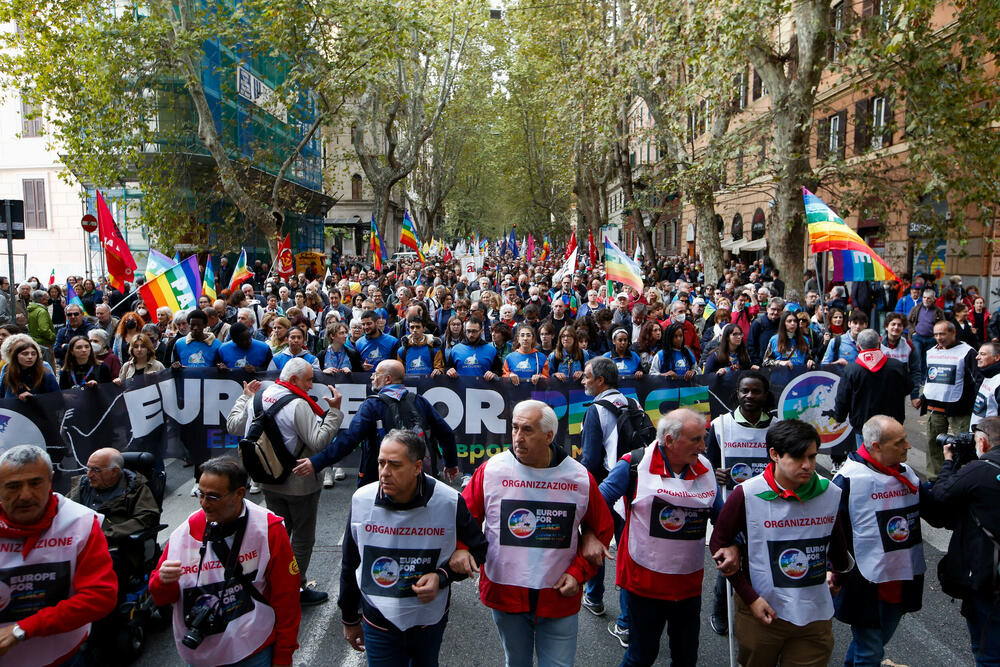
177,288
620,267
157,263
853,259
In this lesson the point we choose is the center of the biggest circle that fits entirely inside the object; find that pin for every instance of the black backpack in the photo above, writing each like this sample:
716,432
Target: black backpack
404,414
262,450
633,425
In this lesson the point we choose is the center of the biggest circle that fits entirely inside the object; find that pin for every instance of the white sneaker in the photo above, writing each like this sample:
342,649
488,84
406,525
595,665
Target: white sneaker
194,490
328,478
338,474
254,488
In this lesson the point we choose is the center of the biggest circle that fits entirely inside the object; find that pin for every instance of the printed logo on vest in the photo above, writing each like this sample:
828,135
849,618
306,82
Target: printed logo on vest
798,563
672,518
27,589
545,525
899,528
941,374
677,523
741,472
979,407
385,572
391,572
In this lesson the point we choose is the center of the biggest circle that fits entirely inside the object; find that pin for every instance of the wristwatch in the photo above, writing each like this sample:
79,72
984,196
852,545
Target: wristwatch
18,633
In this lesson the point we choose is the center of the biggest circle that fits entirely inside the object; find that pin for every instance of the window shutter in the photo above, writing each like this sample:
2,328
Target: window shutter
887,134
842,134
822,138
30,210
40,204
758,86
862,113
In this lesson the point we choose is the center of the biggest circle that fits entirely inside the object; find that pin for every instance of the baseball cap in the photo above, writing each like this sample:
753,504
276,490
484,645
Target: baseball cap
698,302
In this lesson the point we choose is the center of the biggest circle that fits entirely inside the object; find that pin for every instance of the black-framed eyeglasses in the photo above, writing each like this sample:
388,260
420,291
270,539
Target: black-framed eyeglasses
211,497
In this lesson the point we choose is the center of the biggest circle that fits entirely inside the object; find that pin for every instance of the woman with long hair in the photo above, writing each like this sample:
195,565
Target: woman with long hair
676,359
24,373
129,327
81,367
446,312
525,362
143,359
338,357
546,338
453,333
731,353
628,362
279,334
56,305
501,335
980,318
91,296
650,335
789,346
568,359
717,323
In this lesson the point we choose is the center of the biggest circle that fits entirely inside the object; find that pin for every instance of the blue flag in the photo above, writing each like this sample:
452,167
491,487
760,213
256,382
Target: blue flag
512,244
72,297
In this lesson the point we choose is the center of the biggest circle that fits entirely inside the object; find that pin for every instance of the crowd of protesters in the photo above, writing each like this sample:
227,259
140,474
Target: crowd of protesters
926,340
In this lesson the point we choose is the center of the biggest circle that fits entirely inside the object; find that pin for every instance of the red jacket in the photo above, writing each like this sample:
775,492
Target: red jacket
551,604
282,591
94,583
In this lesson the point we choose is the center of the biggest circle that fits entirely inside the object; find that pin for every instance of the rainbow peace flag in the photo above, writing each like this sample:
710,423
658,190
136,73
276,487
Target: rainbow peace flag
208,284
546,248
620,266
377,246
408,236
853,259
177,288
240,272
157,263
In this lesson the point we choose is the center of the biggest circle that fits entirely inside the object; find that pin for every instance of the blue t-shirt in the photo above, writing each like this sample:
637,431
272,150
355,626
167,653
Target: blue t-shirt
338,360
568,365
282,358
197,353
525,365
627,365
678,361
417,359
472,360
374,350
796,356
233,356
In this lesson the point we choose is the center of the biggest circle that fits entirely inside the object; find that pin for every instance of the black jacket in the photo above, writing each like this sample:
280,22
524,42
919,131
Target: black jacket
761,330
857,602
971,491
862,393
468,532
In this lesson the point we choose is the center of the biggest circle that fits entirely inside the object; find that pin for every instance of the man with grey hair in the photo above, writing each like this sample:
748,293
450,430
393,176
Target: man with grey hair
670,492
403,621
248,318
121,496
762,328
873,385
57,545
306,429
533,499
880,503
105,320
75,326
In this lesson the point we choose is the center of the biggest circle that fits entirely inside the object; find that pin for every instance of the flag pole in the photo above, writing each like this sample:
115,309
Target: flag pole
126,298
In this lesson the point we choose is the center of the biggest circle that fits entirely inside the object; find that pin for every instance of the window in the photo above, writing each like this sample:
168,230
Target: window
835,49
356,187
31,120
740,83
34,204
879,122
831,135
758,87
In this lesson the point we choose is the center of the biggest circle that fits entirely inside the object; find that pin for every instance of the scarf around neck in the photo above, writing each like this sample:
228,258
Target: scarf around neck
896,472
29,533
872,360
303,395
814,487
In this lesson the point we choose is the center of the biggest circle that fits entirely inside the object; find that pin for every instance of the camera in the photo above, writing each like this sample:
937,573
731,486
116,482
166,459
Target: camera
962,445
203,619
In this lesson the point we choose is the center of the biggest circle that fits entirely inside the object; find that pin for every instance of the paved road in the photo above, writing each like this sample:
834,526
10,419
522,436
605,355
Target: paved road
934,636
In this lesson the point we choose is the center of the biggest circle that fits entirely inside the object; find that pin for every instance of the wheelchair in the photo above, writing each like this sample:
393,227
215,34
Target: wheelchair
119,638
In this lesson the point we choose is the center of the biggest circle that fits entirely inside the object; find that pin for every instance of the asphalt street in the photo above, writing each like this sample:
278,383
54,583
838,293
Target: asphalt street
934,636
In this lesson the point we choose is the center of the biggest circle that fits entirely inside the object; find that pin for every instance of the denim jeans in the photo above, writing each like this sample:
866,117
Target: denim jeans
921,344
982,615
416,647
525,635
868,647
594,590
647,618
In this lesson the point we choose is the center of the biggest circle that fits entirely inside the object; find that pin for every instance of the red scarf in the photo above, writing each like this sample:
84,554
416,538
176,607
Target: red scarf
29,534
320,412
895,472
782,493
873,360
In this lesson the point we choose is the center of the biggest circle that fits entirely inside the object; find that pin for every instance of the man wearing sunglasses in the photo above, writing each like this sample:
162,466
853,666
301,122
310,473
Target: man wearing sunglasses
75,325
230,573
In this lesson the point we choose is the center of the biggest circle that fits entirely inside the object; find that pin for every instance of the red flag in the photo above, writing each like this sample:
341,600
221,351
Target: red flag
571,246
286,266
591,248
121,265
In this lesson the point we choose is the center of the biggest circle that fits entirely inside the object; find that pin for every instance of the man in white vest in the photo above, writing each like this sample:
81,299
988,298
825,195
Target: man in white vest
988,394
533,498
949,393
736,447
55,570
788,517
231,576
402,536
670,493
880,504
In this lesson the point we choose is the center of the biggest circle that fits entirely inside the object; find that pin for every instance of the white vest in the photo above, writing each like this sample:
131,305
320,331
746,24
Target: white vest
885,519
399,547
986,400
532,517
787,543
248,622
744,449
900,353
669,518
42,579
946,373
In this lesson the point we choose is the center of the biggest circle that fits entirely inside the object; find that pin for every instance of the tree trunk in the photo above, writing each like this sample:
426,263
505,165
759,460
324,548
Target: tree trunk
708,235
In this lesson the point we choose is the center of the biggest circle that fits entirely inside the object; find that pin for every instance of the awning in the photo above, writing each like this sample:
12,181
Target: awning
755,245
734,246
353,220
